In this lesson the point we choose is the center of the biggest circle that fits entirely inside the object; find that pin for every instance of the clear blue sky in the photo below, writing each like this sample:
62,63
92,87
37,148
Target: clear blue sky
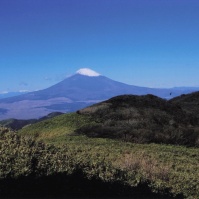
152,43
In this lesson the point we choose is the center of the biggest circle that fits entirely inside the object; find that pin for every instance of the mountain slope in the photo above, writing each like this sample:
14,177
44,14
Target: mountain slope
141,119
189,103
84,88
165,168
81,87
16,124
173,169
11,94
137,119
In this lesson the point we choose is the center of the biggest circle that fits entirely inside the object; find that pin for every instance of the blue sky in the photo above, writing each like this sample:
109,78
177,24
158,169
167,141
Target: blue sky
140,42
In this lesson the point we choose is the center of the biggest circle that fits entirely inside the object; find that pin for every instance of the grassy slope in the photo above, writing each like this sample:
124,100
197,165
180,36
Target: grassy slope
164,166
56,130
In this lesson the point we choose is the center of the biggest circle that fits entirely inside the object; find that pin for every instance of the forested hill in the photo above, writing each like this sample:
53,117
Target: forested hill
189,103
141,119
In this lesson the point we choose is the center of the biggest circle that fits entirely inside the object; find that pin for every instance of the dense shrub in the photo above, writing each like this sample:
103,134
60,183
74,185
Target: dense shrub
4,130
189,103
141,119
169,135
36,167
23,156
26,164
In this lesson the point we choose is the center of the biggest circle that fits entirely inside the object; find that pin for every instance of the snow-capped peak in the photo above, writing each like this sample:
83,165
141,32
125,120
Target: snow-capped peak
87,72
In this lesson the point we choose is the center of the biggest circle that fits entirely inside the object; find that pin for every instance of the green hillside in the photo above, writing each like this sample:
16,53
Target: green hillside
92,163
57,129
141,119
166,169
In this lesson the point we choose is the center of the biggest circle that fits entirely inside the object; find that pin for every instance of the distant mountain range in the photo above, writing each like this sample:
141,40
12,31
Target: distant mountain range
84,88
11,94
16,124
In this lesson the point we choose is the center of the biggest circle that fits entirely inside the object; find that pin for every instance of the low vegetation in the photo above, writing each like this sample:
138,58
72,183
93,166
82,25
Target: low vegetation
68,154
141,119
165,169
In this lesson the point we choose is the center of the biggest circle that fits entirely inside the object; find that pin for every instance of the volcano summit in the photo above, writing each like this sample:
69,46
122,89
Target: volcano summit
82,89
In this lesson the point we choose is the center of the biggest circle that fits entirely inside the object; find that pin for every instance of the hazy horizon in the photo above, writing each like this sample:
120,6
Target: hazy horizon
140,42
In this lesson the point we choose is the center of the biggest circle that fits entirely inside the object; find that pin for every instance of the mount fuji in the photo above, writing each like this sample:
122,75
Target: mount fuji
82,89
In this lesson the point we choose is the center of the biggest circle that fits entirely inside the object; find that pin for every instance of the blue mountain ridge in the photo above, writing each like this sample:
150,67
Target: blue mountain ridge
73,93
11,94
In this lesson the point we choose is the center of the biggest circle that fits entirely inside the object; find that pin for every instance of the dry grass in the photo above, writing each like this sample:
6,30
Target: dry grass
149,167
